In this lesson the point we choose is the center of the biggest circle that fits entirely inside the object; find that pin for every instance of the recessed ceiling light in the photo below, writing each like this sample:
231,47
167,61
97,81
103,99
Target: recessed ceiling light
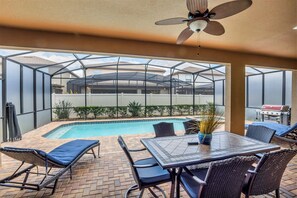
295,28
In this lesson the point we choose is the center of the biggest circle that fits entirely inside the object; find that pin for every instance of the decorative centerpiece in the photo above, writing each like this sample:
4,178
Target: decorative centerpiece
210,121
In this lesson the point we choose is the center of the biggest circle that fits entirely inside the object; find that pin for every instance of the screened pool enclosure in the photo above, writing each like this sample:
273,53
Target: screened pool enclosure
38,83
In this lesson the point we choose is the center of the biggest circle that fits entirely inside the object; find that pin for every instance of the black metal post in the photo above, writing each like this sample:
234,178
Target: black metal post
223,92
51,99
21,89
4,98
214,92
145,99
247,92
284,88
171,72
263,89
86,103
117,88
43,93
194,93
34,99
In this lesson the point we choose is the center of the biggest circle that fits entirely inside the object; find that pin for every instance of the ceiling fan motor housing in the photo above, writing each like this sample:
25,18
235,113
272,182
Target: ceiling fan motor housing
198,14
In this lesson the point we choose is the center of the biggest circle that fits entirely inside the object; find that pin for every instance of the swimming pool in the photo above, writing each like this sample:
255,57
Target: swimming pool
109,128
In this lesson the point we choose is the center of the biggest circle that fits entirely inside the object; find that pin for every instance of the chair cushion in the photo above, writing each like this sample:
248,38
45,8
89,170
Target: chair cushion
150,160
153,174
69,151
189,184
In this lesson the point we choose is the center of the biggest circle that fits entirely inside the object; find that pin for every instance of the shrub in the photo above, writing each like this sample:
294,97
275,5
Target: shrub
134,108
202,108
187,109
180,109
169,109
62,109
82,112
111,111
161,109
150,110
197,109
123,111
97,111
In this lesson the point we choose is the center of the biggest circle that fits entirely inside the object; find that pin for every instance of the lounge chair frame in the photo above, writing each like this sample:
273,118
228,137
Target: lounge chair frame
292,143
47,163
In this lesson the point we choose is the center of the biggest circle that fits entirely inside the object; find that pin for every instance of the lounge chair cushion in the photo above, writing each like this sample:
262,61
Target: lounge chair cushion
62,155
190,185
153,174
281,130
69,151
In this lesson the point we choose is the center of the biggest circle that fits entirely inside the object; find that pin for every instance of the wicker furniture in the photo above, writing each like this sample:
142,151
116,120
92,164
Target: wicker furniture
174,151
191,126
146,172
260,133
284,133
290,139
222,179
62,158
266,177
164,129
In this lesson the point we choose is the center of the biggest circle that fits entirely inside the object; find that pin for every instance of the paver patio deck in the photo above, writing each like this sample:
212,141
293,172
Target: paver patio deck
108,176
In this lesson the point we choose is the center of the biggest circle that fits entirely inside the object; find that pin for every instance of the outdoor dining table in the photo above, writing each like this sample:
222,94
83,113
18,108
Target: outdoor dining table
174,152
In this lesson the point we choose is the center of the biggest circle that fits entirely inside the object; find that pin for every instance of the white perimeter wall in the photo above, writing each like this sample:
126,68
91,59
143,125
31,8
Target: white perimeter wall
124,99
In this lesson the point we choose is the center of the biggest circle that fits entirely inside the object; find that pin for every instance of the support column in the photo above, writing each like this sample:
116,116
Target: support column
235,98
294,98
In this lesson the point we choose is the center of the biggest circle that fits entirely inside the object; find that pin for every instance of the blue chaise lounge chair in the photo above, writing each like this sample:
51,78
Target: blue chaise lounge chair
62,157
282,132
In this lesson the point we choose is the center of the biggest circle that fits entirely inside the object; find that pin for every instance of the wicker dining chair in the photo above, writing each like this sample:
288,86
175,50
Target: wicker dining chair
223,178
164,129
146,173
191,126
267,175
260,133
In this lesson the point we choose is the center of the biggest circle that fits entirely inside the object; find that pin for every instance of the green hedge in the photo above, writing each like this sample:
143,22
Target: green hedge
134,110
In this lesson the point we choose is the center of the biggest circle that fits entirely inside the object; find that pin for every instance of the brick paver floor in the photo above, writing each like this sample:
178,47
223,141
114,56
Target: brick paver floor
107,176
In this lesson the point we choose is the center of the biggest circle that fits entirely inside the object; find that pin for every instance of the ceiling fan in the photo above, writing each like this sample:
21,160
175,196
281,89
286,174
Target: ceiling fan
200,18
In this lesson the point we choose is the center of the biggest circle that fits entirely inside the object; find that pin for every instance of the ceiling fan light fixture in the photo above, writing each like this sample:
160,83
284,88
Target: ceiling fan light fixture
200,17
198,25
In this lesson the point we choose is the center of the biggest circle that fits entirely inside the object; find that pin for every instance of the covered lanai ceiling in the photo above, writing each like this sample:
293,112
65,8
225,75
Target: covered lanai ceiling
265,28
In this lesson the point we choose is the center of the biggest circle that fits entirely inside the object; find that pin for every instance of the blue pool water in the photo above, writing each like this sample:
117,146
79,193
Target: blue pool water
94,129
